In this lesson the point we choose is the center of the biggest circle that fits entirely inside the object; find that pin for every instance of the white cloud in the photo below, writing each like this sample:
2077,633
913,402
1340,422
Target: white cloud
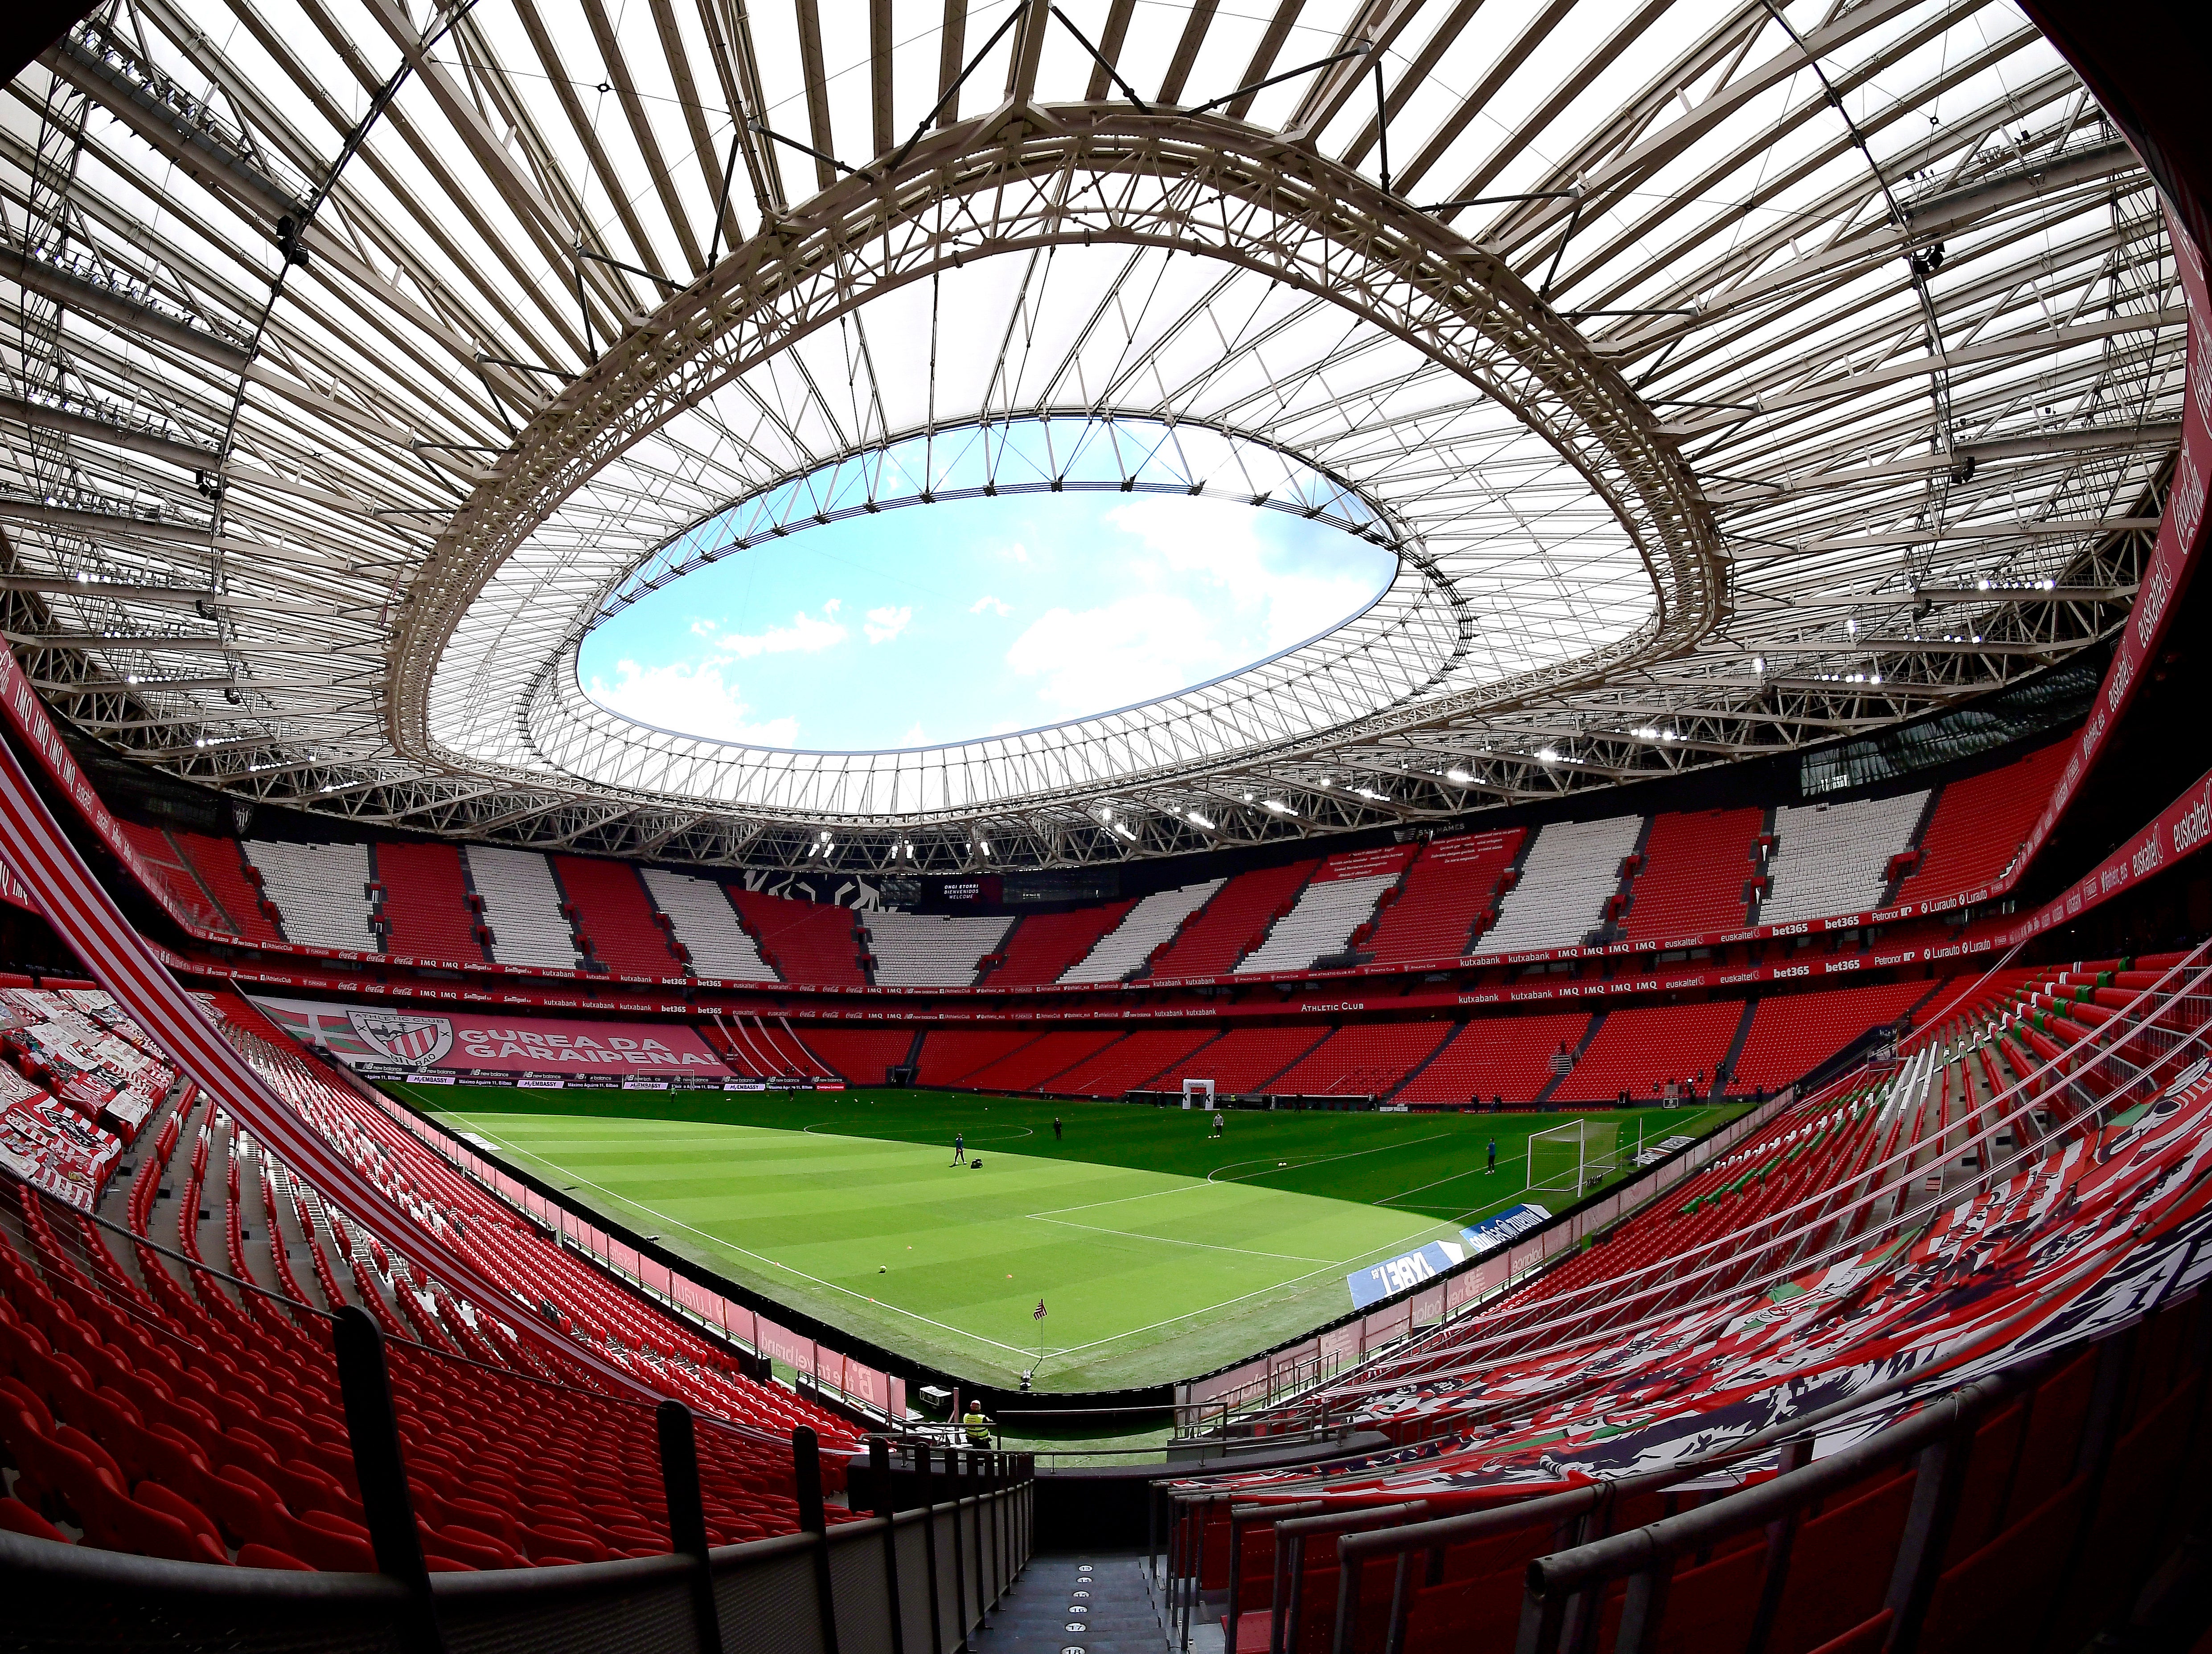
806,635
1015,553
703,628
885,623
1217,547
692,699
914,736
986,601
1131,650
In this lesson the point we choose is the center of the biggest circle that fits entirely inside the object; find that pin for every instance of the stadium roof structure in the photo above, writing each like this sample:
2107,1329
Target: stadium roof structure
1727,378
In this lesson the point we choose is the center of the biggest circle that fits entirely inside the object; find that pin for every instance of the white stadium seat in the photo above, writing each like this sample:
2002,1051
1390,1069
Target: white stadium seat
1565,877
1327,911
707,927
1834,858
931,950
1144,928
522,906
322,891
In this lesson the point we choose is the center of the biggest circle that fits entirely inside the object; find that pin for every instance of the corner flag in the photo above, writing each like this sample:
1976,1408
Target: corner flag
1037,1314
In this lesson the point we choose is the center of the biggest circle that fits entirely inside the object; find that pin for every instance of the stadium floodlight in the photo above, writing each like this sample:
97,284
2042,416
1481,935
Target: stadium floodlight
1278,807
1198,819
1458,777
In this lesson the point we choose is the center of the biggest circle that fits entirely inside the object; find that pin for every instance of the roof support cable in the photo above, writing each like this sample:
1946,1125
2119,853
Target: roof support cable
1359,51
722,200
1382,129
1101,59
953,91
670,283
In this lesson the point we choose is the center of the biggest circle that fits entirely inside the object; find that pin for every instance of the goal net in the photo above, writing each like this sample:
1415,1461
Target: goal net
1569,1159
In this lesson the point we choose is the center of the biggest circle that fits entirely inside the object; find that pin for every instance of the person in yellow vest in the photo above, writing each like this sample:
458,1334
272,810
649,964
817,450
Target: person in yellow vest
978,1426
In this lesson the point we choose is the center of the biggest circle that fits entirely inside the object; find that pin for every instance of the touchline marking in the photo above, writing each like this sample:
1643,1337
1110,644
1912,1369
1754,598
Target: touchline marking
1299,1165
731,1245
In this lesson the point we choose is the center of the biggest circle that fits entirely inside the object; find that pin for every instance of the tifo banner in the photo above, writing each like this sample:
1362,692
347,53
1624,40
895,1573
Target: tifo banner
1507,1226
1400,1274
378,1040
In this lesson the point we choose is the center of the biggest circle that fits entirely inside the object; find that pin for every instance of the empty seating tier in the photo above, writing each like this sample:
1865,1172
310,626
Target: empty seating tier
931,950
221,867
1565,880
1231,923
522,908
706,928
1503,1058
1644,1050
1980,824
1835,858
1452,884
1793,1033
863,1056
616,917
1143,929
1694,871
1044,946
1333,905
1371,1060
425,904
1130,1063
803,941
322,891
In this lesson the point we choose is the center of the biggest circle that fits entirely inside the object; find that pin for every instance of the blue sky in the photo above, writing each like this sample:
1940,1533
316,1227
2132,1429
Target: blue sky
941,622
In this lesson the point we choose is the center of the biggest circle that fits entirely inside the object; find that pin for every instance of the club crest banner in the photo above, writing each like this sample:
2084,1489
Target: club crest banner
388,1042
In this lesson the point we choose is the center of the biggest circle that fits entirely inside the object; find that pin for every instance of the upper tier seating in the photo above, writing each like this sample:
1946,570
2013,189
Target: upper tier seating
167,864
1641,1049
322,891
803,941
1696,865
1368,1060
426,904
522,908
1335,902
219,863
1494,1056
1211,943
1980,824
1565,878
1143,929
1834,858
1044,946
1452,883
931,950
705,927
615,916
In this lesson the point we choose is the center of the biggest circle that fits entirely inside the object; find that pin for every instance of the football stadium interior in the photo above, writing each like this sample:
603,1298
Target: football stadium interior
882,826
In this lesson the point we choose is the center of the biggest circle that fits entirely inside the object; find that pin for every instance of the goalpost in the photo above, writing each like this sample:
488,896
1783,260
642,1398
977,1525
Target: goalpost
1569,1159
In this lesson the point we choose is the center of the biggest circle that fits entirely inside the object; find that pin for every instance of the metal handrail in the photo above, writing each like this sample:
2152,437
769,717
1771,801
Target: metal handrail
2119,1033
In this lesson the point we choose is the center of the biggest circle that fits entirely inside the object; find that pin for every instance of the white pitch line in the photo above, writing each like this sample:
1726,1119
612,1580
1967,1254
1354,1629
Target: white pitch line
1170,1240
1299,1165
731,1245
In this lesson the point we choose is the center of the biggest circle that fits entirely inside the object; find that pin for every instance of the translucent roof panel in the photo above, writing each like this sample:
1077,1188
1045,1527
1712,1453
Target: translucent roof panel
1726,377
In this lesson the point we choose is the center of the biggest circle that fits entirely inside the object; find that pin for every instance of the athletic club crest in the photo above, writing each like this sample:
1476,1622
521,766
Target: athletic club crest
414,1041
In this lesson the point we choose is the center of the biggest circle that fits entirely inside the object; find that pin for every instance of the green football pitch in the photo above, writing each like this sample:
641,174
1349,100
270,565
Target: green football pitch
1158,1251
